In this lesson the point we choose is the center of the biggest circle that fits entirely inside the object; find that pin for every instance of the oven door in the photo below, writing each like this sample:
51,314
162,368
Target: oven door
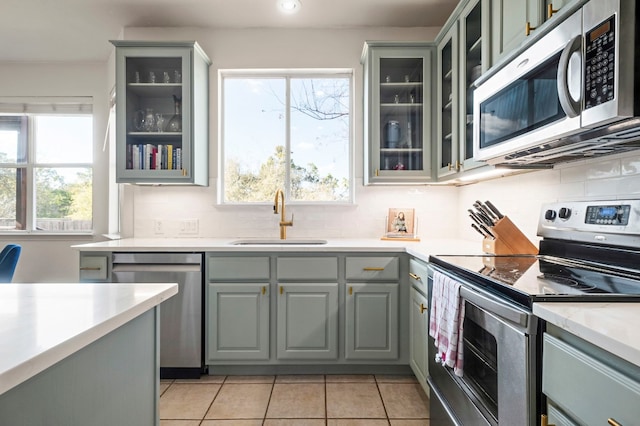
499,374
537,97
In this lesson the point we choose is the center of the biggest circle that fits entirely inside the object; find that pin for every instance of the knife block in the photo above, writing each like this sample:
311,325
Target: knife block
509,240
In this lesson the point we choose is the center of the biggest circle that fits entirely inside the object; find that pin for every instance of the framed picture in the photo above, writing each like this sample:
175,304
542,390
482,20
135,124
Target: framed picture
401,223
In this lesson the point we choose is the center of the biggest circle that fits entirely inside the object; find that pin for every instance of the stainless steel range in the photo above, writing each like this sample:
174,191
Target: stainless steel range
590,251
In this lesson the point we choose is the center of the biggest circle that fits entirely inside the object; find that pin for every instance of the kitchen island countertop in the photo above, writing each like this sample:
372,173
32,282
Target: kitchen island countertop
45,323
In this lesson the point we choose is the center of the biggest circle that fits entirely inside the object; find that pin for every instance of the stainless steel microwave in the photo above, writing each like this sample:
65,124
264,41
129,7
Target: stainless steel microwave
572,94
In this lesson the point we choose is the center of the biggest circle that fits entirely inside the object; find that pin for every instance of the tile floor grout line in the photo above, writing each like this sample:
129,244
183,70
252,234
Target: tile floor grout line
266,410
384,407
213,400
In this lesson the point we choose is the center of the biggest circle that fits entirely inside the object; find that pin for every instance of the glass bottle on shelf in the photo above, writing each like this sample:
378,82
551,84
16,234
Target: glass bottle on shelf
175,123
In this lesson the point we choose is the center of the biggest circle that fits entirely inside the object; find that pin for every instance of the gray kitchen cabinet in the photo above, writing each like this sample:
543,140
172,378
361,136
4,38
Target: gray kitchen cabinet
162,112
419,321
238,320
463,55
397,116
587,385
307,321
510,20
371,307
371,312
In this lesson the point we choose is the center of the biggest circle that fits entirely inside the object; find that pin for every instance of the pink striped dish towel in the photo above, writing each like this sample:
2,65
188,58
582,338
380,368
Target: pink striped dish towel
446,321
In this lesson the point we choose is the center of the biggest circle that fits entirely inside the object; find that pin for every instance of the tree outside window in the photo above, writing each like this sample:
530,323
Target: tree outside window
290,132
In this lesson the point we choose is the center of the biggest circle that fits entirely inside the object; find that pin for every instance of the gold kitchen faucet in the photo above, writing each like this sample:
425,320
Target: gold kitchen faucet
280,208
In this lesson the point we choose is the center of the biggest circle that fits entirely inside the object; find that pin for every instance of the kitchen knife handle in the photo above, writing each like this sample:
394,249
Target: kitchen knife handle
494,209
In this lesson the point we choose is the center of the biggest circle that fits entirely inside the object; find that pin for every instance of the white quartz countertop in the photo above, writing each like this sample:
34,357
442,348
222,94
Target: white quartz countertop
41,324
421,249
611,326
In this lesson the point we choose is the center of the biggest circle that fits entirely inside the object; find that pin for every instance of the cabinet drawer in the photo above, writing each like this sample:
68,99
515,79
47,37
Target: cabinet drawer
307,268
588,390
239,268
372,268
418,274
93,267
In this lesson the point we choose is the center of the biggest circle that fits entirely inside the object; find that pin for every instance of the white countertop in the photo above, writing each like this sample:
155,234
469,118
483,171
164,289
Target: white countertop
611,326
421,249
41,324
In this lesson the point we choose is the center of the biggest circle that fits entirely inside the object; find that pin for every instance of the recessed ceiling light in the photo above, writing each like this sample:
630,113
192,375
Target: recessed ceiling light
289,6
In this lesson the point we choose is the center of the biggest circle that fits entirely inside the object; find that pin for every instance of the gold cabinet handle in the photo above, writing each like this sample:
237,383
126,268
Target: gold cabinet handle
612,422
458,165
528,28
281,290
371,268
550,10
90,268
350,291
415,277
264,290
184,172
544,420
422,308
450,166
376,172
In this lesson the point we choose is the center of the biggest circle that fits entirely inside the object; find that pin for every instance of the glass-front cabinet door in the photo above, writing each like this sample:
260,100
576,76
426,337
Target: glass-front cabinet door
161,112
397,112
447,102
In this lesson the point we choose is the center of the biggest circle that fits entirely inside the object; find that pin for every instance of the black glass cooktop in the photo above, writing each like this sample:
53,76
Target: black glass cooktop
546,278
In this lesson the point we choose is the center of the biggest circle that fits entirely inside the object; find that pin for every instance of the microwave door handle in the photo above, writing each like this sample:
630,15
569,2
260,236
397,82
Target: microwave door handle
571,106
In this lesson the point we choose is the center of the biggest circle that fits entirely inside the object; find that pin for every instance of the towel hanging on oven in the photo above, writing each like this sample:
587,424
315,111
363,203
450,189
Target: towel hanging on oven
446,321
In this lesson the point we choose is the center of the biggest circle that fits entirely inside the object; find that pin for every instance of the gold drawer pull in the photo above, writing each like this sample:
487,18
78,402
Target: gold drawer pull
264,290
415,277
528,28
91,268
281,290
350,291
371,268
422,308
612,422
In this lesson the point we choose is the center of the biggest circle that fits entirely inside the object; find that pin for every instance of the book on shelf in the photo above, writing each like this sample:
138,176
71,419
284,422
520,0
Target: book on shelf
152,157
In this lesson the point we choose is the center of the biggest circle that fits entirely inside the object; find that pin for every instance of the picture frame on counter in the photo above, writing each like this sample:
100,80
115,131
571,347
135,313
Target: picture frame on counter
401,224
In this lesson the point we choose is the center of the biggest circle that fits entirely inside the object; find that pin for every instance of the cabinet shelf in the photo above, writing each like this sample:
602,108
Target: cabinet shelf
156,135
154,89
448,105
474,50
402,105
447,75
392,85
399,150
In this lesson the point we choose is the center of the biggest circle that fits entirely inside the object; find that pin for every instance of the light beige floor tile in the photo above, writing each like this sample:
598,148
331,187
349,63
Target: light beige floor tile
203,379
179,422
354,400
240,401
300,378
350,378
164,386
250,379
357,422
386,378
256,422
294,422
186,401
423,422
404,401
297,400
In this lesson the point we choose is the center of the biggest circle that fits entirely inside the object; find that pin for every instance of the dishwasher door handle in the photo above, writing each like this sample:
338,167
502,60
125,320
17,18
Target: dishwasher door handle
156,267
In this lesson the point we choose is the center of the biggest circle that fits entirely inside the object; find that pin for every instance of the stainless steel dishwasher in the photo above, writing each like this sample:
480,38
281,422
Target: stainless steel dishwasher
181,332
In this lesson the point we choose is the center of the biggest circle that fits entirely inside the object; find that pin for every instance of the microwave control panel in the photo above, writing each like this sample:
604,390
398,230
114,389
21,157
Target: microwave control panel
599,64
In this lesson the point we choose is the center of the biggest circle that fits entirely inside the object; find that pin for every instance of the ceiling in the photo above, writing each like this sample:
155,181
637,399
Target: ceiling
79,30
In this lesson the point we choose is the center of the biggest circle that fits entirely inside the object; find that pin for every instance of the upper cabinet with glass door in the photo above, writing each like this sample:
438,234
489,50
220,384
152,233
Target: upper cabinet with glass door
162,112
397,115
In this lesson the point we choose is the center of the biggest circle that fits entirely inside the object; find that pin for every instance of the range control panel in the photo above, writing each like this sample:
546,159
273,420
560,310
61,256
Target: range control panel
614,222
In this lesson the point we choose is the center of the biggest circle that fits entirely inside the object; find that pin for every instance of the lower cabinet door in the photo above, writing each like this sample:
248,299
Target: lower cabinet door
238,322
372,321
419,328
307,322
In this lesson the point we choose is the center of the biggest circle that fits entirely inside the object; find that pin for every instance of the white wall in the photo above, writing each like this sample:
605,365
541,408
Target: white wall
51,259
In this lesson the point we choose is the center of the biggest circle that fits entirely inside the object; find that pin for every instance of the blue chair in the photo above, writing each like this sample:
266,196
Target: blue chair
8,260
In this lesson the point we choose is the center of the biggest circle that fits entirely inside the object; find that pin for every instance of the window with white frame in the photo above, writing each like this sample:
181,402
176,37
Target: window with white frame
286,130
46,166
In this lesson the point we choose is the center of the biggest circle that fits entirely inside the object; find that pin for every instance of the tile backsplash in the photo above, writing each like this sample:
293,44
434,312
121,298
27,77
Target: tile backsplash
441,210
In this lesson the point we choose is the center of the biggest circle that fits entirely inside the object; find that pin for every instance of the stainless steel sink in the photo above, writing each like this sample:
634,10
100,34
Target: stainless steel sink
277,241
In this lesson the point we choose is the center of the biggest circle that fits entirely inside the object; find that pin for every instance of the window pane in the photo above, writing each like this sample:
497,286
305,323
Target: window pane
12,214
13,139
64,139
320,139
63,199
254,138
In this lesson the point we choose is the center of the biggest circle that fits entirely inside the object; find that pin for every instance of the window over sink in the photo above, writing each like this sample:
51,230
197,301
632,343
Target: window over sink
46,166
289,130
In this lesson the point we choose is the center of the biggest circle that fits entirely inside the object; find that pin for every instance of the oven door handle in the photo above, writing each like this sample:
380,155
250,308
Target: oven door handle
495,307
